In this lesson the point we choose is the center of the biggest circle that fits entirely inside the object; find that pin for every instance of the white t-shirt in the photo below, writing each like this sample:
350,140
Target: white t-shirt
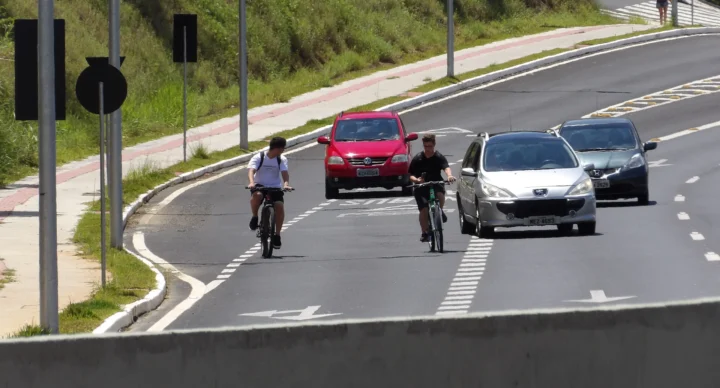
269,173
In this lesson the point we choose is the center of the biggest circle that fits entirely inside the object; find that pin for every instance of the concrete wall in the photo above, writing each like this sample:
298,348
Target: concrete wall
654,347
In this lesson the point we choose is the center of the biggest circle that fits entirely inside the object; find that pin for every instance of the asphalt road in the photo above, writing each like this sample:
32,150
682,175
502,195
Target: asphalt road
360,256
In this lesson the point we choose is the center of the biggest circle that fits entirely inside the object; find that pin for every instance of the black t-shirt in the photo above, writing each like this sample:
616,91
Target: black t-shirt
433,166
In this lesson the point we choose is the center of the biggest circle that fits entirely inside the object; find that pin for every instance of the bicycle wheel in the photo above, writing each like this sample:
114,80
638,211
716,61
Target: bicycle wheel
431,230
266,234
438,229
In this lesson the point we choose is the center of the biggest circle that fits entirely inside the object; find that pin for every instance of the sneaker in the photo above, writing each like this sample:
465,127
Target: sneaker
253,223
276,242
424,238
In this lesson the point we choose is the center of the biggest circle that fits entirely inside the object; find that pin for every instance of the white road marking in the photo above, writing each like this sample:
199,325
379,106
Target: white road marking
197,291
464,285
679,198
697,236
683,216
693,179
712,256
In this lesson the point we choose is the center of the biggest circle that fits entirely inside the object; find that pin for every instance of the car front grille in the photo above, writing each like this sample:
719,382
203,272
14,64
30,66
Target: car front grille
375,161
541,207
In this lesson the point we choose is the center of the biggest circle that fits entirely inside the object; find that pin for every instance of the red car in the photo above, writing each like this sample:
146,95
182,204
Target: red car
367,149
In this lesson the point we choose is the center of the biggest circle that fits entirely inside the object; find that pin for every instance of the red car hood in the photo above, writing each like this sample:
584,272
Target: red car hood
359,149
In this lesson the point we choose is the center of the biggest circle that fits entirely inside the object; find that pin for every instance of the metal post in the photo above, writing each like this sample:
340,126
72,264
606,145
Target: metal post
47,143
185,93
675,13
243,78
103,226
115,139
450,39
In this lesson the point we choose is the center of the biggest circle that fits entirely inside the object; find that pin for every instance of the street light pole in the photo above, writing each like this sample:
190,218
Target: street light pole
450,40
243,78
115,138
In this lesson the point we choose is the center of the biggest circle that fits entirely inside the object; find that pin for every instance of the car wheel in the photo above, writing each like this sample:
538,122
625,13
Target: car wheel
644,199
586,228
482,231
331,192
465,227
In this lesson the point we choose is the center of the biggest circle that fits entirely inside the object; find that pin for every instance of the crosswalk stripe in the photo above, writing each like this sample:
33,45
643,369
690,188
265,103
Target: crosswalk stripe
704,14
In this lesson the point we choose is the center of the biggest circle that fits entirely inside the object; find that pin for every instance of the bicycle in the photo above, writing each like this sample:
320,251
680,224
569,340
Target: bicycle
266,224
434,215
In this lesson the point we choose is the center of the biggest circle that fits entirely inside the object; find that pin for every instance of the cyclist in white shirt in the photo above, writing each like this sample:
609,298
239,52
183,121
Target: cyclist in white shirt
265,169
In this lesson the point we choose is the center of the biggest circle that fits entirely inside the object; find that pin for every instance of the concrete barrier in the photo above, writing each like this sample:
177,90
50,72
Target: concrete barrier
651,346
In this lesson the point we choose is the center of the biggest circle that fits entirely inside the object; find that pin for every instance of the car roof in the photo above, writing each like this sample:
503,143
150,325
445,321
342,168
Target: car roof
367,115
502,136
597,120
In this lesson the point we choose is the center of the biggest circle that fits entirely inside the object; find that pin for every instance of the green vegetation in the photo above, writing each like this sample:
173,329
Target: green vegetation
7,276
295,46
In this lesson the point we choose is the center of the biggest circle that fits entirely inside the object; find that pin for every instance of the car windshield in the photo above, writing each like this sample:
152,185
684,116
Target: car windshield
600,137
367,130
528,154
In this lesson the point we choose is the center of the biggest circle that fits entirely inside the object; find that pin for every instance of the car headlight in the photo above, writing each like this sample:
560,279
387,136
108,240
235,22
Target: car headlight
584,187
493,191
335,160
400,158
634,162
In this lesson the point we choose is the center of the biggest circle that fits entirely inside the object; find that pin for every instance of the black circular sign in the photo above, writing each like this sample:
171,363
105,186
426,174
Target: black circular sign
87,88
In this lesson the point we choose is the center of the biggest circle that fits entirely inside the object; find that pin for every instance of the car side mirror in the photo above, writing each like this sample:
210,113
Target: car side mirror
411,137
323,140
649,146
589,166
467,171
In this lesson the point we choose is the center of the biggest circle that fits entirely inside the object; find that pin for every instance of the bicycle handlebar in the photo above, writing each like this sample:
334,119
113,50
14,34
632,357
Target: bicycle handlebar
262,188
445,182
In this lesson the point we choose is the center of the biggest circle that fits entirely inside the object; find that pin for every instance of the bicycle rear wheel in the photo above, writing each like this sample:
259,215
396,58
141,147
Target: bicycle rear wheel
268,231
438,229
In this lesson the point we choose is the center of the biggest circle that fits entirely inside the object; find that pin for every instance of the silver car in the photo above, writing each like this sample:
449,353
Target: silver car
526,178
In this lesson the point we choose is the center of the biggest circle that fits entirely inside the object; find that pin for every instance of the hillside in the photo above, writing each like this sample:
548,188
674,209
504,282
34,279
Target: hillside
294,46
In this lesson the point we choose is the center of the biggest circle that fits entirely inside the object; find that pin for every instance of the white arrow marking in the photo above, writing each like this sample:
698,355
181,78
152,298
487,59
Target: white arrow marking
304,314
598,296
683,216
693,179
658,163
679,198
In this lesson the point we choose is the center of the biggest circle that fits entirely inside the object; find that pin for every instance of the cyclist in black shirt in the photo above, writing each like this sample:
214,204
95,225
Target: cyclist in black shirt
432,163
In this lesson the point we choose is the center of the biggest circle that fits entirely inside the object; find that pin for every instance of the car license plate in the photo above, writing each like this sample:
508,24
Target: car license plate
368,172
601,183
537,221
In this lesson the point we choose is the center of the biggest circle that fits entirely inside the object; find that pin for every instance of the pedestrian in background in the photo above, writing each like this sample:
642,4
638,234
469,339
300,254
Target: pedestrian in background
662,6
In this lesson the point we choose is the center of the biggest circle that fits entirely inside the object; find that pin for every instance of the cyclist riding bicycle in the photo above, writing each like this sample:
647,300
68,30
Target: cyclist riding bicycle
265,170
432,163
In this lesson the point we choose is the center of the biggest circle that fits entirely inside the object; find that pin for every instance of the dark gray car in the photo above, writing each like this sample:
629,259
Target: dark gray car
614,147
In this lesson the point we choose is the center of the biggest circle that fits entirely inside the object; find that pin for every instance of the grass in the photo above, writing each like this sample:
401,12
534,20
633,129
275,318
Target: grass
294,47
8,276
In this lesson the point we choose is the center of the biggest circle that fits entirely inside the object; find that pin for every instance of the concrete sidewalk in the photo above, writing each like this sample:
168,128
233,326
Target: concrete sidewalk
78,182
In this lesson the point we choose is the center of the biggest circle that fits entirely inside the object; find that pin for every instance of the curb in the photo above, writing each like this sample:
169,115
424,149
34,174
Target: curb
154,298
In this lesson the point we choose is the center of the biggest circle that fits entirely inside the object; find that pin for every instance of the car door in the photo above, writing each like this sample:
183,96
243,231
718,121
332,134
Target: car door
466,191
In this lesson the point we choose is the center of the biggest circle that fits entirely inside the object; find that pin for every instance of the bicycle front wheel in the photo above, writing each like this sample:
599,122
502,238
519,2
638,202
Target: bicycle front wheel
438,229
268,231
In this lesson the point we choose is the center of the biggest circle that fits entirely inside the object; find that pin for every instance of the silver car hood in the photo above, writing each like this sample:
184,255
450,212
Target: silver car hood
520,182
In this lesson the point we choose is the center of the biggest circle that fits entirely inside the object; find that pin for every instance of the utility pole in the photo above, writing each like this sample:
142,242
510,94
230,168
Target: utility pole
450,40
48,190
115,138
675,13
243,78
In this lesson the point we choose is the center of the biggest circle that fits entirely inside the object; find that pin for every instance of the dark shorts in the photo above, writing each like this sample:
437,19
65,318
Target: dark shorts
276,196
662,3
422,195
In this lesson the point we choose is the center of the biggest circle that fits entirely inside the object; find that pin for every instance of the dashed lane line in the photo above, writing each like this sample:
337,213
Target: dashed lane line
693,179
697,236
683,216
463,287
231,267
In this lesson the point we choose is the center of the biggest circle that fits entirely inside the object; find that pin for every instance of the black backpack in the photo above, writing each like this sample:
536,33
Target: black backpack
262,159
